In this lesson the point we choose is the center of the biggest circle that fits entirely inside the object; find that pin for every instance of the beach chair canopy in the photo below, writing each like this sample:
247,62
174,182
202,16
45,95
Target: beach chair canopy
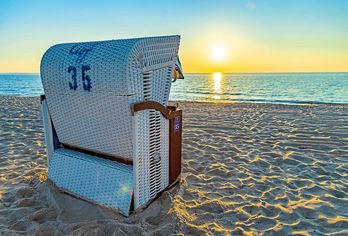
90,87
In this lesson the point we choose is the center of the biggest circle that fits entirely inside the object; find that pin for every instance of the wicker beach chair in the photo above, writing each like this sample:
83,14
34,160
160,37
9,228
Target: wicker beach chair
111,138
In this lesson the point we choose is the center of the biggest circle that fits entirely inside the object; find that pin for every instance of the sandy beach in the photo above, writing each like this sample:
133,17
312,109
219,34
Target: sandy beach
248,169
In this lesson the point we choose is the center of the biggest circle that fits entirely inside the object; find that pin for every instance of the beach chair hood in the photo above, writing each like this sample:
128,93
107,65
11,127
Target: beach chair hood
89,88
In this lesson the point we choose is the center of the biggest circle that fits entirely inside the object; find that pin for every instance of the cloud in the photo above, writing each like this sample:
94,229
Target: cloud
250,6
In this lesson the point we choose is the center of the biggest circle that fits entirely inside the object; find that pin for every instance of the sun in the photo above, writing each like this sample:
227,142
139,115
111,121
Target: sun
218,52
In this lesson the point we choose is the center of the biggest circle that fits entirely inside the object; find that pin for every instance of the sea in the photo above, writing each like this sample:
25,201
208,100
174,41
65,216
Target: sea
283,88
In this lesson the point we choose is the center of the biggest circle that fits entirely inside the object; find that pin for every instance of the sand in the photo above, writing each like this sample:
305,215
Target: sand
248,169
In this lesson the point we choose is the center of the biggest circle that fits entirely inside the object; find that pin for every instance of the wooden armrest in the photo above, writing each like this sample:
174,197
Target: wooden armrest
167,112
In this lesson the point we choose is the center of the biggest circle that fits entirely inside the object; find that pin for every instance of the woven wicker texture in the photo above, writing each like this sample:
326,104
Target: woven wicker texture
90,87
151,165
98,180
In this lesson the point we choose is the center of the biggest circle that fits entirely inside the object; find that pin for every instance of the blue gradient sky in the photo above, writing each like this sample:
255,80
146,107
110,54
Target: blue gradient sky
255,36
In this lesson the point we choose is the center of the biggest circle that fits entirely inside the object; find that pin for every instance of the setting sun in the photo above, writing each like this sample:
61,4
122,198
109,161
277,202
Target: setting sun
218,53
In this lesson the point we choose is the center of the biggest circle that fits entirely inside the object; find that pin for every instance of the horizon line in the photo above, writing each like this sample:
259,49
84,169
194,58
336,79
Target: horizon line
284,72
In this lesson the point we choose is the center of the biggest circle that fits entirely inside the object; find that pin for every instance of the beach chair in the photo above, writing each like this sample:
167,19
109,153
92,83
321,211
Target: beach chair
111,137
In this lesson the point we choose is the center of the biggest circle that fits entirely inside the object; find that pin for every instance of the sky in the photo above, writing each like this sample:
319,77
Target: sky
233,36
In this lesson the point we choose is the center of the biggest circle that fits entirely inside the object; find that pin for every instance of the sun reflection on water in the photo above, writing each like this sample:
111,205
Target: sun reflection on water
217,76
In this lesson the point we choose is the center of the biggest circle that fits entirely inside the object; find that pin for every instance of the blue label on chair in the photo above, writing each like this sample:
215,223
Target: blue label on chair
177,124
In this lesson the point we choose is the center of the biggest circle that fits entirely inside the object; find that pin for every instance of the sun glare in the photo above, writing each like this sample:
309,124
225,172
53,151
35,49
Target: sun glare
218,53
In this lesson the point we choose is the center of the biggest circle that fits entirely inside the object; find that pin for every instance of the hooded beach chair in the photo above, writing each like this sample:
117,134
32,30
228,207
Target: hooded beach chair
111,137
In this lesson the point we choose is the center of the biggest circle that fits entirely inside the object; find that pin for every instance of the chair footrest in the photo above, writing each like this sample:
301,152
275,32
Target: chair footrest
102,181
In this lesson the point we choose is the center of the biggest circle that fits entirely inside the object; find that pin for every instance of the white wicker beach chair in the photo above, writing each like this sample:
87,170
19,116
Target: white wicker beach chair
110,136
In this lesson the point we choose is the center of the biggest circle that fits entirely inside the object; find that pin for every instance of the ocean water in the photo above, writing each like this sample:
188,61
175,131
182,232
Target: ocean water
286,88
20,85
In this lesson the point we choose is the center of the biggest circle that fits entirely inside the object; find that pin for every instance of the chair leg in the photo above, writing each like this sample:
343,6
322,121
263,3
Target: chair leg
51,139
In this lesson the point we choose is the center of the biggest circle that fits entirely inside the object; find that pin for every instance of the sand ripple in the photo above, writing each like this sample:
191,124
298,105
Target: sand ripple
248,169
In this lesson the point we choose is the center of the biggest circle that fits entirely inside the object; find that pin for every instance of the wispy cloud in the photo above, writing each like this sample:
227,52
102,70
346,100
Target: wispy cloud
250,6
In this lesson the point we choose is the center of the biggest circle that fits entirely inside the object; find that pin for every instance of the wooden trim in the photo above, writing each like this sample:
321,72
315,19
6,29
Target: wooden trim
168,112
175,146
151,105
97,154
